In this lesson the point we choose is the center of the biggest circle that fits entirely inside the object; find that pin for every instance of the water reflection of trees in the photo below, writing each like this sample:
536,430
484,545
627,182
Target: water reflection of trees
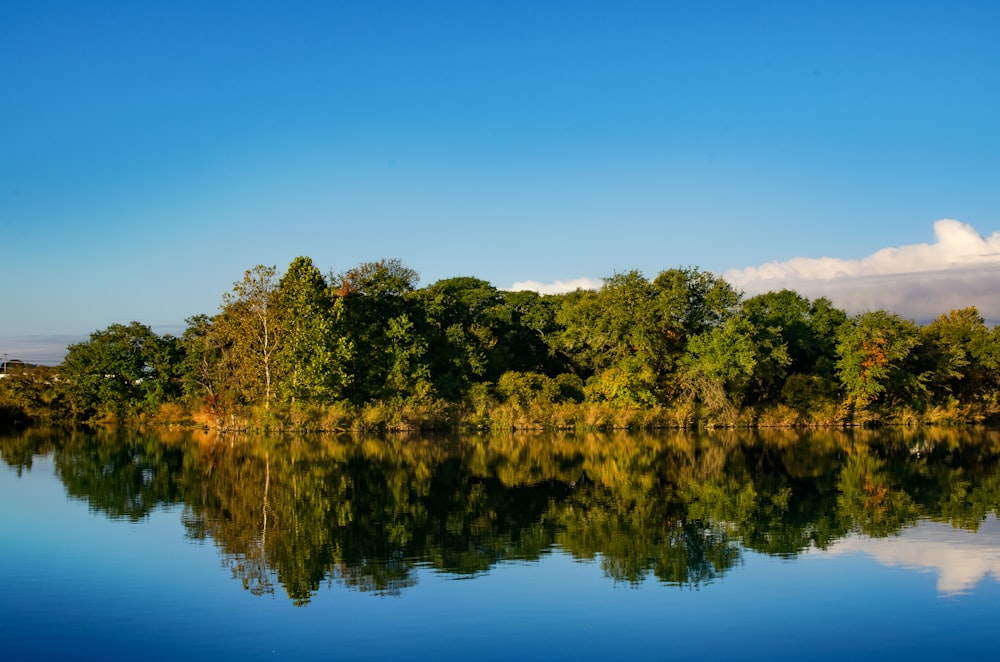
121,474
680,508
19,448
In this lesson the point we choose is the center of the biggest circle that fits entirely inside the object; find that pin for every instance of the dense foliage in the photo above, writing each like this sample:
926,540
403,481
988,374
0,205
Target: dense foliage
290,513
368,348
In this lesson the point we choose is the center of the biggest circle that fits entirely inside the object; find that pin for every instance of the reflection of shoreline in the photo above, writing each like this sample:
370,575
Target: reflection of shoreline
960,558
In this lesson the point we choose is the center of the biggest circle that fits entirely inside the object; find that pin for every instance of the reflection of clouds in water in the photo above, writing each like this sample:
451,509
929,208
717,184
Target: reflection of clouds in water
960,558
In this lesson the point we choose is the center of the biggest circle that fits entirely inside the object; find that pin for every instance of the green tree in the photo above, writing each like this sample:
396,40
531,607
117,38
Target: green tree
465,321
825,321
526,389
28,395
249,328
736,363
525,320
631,334
315,352
409,374
612,337
207,373
119,371
807,328
382,278
873,349
961,356
379,310
808,331
691,301
579,336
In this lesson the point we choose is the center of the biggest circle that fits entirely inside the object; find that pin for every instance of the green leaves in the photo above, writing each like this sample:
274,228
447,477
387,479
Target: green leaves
682,343
873,349
314,352
119,371
737,360
630,335
960,355
249,326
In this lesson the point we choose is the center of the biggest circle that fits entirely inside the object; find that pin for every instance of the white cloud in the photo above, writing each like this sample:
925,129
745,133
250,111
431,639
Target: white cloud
961,559
38,349
557,287
919,281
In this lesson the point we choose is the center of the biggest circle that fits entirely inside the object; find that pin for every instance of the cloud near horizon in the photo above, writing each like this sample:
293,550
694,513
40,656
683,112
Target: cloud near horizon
557,287
919,281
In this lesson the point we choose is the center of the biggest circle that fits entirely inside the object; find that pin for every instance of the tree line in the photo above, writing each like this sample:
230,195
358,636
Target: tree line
368,348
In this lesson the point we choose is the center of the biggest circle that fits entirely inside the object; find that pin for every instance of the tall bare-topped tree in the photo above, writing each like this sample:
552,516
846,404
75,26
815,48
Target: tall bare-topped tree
249,320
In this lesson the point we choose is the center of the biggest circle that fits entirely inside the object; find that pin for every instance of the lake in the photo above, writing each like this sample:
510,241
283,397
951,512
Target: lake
730,545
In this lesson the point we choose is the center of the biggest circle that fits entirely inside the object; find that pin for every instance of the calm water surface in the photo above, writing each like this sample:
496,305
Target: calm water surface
676,546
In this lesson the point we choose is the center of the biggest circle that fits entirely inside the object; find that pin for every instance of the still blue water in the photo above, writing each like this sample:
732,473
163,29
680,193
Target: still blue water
81,580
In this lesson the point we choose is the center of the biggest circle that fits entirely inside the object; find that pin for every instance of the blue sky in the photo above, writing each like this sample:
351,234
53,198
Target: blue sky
150,152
